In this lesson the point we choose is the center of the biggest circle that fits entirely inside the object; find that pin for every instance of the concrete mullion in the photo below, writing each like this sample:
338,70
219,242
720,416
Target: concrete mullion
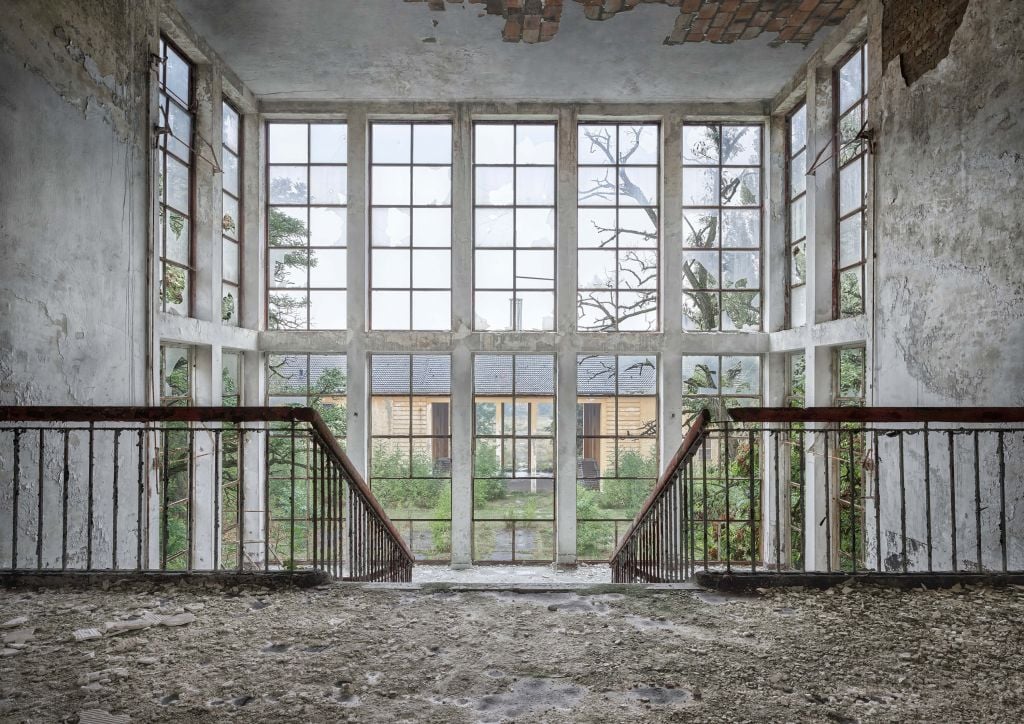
775,251
565,361
462,458
353,343
462,221
253,249
670,388
206,197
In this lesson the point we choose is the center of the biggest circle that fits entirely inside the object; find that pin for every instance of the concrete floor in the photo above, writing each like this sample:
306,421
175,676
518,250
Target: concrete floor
350,652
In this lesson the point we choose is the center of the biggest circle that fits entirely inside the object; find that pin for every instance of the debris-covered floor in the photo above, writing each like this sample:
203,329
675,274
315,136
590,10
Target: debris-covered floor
183,654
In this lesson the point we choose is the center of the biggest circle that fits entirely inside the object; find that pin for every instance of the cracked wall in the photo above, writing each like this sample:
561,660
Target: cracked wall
74,201
950,224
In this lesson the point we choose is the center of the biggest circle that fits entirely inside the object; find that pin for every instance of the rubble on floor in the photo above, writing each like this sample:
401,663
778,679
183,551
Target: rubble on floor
370,653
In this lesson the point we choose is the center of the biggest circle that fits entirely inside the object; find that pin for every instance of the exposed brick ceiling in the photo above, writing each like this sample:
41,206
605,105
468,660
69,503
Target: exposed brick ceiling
716,21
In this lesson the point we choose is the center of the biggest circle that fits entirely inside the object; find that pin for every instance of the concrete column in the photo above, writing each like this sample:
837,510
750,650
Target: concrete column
462,324
775,507
670,422
565,325
206,197
253,451
820,195
358,289
253,262
206,392
565,452
462,458
775,245
817,495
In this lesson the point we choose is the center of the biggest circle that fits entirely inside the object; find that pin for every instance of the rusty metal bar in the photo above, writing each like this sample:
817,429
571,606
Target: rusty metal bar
15,500
952,498
39,512
877,414
89,502
928,495
115,494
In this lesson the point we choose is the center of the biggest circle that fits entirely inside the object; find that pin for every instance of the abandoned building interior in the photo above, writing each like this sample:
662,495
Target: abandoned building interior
340,309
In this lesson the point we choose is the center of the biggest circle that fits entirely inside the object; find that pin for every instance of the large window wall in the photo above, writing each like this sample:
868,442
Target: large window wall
175,192
513,457
722,227
618,226
851,183
514,226
616,446
575,239
307,193
410,225
410,448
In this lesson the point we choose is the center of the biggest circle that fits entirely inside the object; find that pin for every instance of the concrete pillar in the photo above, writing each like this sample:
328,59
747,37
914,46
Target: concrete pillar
461,419
204,460
818,472
670,389
462,458
565,375
358,289
253,451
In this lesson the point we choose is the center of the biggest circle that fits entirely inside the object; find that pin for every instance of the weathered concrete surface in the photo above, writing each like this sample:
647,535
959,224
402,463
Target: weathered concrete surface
950,222
373,655
73,201
393,50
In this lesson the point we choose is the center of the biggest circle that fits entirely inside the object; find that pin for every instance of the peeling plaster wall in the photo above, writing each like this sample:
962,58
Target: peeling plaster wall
949,282
74,200
949,271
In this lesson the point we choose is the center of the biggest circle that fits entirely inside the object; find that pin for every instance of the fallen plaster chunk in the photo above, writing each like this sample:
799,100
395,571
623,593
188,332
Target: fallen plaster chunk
101,716
86,634
19,635
113,628
15,622
180,619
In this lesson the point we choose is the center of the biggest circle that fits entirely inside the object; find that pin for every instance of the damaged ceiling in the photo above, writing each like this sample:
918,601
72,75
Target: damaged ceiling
598,50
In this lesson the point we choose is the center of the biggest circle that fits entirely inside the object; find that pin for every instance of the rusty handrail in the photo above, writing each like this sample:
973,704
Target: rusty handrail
693,436
878,414
76,413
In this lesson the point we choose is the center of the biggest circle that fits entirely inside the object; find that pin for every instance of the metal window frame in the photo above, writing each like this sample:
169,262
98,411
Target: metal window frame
719,209
411,207
238,285
514,207
618,523
659,170
838,114
269,205
500,437
163,108
791,200
410,438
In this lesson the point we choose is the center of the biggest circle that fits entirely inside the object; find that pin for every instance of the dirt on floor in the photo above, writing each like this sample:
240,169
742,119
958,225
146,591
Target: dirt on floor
186,653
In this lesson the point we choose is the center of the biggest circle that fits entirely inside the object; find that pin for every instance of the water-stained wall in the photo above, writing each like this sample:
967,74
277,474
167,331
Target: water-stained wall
73,201
949,239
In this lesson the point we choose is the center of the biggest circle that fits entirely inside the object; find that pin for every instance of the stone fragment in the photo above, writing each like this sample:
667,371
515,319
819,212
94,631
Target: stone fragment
101,716
19,635
86,634
180,619
15,622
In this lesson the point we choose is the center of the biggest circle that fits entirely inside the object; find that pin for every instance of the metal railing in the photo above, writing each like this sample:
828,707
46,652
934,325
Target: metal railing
836,490
187,489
